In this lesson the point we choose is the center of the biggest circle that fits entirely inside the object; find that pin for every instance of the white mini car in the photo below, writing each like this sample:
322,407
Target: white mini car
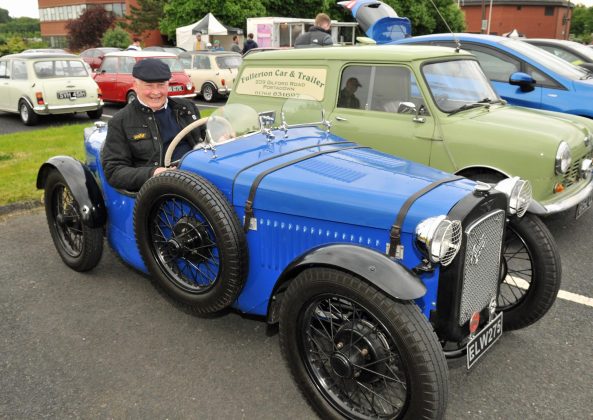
34,84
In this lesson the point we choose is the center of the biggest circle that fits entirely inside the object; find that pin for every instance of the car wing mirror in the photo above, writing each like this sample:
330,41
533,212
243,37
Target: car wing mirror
406,108
525,82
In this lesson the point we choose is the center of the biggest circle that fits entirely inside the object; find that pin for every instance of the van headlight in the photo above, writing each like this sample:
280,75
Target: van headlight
439,239
518,192
563,158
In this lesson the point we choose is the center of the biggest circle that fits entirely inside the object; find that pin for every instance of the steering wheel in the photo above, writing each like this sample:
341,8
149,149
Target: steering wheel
179,137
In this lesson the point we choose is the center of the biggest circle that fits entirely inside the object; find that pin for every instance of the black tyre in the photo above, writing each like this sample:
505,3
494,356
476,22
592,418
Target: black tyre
359,354
131,96
531,268
79,246
531,272
208,92
96,114
28,116
191,240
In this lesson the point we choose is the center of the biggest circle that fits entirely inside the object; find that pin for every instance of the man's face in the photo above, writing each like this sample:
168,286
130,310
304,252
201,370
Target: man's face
153,94
325,25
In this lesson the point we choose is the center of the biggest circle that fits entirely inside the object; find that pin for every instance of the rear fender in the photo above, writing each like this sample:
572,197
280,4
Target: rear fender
83,185
371,266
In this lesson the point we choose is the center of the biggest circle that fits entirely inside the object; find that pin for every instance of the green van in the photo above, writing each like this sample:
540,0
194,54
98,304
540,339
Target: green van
432,105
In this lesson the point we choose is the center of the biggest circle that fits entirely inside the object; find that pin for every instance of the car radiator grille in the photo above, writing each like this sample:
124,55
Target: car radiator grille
573,175
482,264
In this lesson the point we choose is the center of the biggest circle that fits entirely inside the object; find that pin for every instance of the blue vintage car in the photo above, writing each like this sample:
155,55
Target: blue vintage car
523,74
375,267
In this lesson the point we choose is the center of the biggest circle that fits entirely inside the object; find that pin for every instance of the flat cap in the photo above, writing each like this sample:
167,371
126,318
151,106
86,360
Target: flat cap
151,70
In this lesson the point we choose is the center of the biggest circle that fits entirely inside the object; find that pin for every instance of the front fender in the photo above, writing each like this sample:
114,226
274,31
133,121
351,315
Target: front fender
371,266
83,185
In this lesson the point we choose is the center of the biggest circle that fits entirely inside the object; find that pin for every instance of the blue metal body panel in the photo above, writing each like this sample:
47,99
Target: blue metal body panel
323,200
572,95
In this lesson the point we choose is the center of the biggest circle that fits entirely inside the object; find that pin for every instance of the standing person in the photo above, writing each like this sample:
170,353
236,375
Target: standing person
319,35
135,45
236,47
216,46
139,134
198,44
249,43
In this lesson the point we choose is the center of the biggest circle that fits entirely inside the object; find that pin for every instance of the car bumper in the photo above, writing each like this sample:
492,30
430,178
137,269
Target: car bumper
66,109
224,91
188,95
565,204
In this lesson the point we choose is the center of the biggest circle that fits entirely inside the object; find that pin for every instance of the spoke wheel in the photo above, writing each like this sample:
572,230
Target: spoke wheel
79,246
208,92
191,240
530,272
356,353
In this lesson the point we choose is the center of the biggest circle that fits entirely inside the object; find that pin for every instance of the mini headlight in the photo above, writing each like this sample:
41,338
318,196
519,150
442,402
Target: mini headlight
563,158
188,86
439,239
518,192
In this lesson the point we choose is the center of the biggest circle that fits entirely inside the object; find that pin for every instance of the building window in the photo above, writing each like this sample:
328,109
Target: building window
74,11
549,11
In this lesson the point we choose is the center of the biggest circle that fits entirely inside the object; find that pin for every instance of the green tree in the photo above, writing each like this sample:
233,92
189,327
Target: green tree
116,37
581,24
144,17
4,16
178,13
87,30
24,26
14,44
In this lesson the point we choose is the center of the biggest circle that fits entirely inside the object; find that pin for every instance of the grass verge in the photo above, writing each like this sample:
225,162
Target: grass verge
21,155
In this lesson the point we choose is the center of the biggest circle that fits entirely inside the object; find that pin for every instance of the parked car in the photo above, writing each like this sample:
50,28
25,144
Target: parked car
47,83
368,262
523,74
212,73
94,56
114,77
434,106
573,52
166,48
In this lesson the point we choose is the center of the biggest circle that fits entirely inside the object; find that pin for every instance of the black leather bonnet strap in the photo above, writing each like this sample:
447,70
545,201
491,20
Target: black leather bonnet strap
395,233
261,176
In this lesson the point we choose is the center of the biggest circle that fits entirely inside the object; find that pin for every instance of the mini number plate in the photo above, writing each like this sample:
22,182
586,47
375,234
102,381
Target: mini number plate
71,94
484,340
175,88
583,206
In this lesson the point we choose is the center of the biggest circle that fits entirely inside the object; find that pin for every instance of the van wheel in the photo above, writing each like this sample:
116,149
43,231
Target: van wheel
28,116
357,353
208,92
190,240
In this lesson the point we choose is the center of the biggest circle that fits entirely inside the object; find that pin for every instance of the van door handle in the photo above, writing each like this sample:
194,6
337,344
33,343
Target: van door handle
338,118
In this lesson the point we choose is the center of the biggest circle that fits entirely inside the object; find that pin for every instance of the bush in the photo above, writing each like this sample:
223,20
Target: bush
116,37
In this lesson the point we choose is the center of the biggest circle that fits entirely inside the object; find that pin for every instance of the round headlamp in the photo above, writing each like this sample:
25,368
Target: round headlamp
439,239
188,86
563,158
518,192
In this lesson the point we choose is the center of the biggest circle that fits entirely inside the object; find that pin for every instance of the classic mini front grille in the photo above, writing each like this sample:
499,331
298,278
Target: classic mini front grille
482,264
572,176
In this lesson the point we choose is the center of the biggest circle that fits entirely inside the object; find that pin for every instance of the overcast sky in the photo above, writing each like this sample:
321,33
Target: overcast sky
30,8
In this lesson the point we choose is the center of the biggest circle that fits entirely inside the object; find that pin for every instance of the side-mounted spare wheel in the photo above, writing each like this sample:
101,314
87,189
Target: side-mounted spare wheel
191,240
79,245
357,353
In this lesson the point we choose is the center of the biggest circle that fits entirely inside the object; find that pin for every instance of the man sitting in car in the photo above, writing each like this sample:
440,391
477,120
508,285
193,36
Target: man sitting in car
139,134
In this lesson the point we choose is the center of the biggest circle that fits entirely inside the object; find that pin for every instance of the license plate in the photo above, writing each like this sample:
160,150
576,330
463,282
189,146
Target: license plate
484,340
71,94
583,206
175,88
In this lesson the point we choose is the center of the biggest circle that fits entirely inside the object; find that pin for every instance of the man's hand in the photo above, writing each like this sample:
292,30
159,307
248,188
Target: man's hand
161,169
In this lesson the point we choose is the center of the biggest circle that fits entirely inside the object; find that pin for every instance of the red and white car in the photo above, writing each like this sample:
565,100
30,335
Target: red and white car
114,77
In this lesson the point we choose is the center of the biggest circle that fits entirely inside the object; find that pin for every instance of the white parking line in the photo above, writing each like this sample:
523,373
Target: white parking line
107,116
562,294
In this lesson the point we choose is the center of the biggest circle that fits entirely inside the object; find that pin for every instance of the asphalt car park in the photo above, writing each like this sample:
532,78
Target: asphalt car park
106,344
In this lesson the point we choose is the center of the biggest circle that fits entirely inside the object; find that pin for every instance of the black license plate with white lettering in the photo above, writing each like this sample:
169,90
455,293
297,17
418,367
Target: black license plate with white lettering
175,88
71,94
583,206
484,340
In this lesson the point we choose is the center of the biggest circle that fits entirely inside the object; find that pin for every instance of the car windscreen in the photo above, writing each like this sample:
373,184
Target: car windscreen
229,61
582,49
59,68
546,59
173,63
456,83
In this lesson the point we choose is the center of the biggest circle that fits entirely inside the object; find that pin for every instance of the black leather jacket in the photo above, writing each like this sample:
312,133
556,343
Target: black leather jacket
133,147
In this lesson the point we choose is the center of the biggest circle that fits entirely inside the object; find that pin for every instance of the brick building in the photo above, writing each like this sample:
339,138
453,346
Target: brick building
533,18
55,14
